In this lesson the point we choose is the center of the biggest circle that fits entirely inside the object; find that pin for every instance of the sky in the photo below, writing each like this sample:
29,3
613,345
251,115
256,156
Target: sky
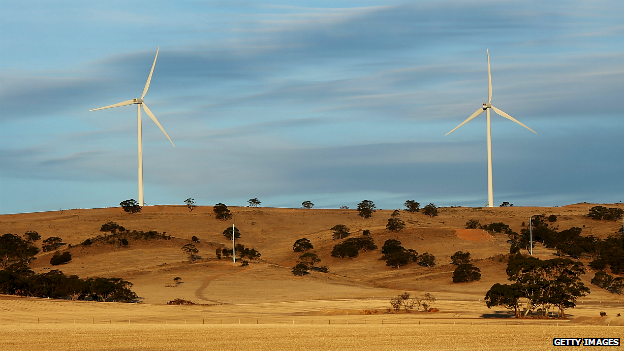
332,102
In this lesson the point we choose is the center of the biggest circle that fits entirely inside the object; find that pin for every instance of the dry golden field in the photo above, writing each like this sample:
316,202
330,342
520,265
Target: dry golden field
344,309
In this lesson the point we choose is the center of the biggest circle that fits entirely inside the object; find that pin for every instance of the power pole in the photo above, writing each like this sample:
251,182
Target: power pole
531,234
233,245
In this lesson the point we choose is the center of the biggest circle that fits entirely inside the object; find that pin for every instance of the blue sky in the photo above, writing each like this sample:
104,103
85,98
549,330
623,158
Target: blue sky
328,101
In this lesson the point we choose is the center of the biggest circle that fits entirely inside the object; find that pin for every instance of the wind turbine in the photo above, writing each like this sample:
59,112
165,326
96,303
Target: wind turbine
139,102
486,107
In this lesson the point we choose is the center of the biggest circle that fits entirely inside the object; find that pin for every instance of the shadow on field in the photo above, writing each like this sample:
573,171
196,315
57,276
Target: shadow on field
499,315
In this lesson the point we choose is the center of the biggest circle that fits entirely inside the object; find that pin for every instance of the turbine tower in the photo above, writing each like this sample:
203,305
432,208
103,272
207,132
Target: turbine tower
486,107
139,102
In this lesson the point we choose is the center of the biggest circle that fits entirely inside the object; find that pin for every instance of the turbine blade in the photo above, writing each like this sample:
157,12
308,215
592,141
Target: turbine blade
489,78
149,113
478,112
149,78
127,102
500,112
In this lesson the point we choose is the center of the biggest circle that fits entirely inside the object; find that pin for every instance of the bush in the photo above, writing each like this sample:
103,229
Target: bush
412,206
603,213
473,224
59,258
465,273
221,212
426,260
460,258
130,206
395,224
366,208
341,231
430,210
300,269
302,245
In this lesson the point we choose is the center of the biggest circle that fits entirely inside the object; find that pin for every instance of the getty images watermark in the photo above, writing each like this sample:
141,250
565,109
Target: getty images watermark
586,341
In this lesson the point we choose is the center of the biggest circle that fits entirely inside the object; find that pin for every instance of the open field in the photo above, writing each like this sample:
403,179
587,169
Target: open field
343,309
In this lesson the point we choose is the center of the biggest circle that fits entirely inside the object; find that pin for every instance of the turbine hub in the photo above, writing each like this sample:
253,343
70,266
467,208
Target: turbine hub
137,101
486,105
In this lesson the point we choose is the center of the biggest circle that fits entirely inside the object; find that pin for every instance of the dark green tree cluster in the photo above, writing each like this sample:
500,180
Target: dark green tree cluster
543,283
607,214
430,210
608,282
466,273
221,212
120,236
302,245
228,233
341,231
351,247
130,206
60,258
396,255
14,250
412,206
366,208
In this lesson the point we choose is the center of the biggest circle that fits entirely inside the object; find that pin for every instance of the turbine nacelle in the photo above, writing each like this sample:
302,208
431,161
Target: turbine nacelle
137,101
486,105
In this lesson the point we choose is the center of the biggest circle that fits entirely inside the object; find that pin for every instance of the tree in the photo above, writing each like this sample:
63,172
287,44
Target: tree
254,202
366,208
307,204
59,258
302,245
403,301
32,236
396,255
412,206
15,250
426,260
341,231
506,204
191,251
309,259
504,295
190,203
460,258
430,210
221,212
218,253
228,233
466,273
194,239
52,243
603,213
395,224
343,250
300,269
130,206
473,224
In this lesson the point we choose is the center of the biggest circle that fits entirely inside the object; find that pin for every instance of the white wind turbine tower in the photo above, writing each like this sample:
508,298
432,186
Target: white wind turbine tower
486,107
139,102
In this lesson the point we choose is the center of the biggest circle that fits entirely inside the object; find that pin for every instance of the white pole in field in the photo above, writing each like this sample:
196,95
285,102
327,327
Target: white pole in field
531,234
233,246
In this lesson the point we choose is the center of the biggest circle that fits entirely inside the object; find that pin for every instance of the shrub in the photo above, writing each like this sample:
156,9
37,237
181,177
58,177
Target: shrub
460,258
341,231
59,258
300,269
221,212
395,224
302,245
473,224
465,273
430,210
426,260
130,206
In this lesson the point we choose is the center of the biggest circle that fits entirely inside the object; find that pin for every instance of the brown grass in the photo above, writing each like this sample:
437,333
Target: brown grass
266,292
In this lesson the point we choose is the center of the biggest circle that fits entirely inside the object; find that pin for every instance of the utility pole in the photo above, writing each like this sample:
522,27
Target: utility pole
531,234
233,245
